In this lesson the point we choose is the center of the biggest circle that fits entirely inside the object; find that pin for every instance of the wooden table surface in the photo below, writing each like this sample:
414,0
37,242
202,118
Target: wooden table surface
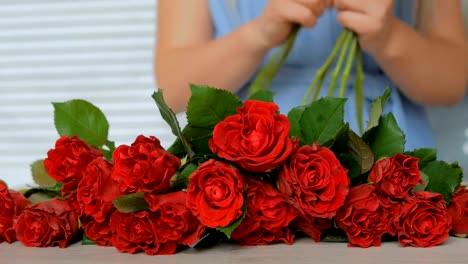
455,250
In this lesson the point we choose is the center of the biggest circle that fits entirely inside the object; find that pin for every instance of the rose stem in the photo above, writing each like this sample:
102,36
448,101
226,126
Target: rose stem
339,64
322,72
269,71
358,86
348,67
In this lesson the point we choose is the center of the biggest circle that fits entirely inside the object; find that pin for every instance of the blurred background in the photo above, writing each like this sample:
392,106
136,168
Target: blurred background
102,51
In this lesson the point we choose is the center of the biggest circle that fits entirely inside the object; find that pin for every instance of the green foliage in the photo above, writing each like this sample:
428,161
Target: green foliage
169,116
206,108
422,186
198,139
377,108
83,119
209,106
86,121
131,203
444,178
40,175
269,71
386,139
86,241
294,117
263,95
50,191
354,170
322,120
425,156
182,179
361,152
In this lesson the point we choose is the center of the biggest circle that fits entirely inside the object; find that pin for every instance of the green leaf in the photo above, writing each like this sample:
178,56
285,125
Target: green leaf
131,203
339,143
40,175
170,117
181,180
294,117
229,229
425,156
54,190
354,170
422,187
209,106
443,178
269,71
377,108
39,197
386,139
198,139
263,95
322,120
335,239
83,119
86,241
361,152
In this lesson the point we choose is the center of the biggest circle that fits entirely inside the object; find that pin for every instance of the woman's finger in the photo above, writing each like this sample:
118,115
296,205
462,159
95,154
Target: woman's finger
361,6
296,12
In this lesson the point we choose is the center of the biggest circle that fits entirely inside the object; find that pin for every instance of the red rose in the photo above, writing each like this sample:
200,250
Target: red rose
47,224
98,232
97,189
314,181
255,139
136,232
312,226
216,194
364,216
174,221
458,209
268,216
68,160
424,221
11,205
396,176
144,166
72,200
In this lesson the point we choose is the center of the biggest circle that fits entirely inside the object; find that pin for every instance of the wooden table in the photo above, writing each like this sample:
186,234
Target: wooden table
454,250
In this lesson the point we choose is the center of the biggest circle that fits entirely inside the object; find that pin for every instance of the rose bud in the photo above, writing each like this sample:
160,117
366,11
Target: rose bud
216,194
395,177
458,209
47,224
424,221
314,181
136,232
174,221
144,166
11,205
268,216
67,161
255,139
365,216
97,189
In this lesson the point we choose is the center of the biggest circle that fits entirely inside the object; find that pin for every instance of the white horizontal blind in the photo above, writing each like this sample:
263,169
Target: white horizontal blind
57,50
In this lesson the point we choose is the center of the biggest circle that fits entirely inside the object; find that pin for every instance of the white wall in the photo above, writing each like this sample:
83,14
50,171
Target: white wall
57,50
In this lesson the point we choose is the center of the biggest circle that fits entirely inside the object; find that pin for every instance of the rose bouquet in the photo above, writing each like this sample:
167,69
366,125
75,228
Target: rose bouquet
242,172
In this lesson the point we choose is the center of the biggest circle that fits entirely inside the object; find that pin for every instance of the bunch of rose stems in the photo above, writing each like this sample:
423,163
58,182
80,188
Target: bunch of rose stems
343,57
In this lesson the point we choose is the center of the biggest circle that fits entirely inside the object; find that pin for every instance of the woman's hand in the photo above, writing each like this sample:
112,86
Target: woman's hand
277,19
372,20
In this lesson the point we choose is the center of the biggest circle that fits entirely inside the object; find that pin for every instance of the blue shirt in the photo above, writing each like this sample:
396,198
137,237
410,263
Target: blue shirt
311,49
